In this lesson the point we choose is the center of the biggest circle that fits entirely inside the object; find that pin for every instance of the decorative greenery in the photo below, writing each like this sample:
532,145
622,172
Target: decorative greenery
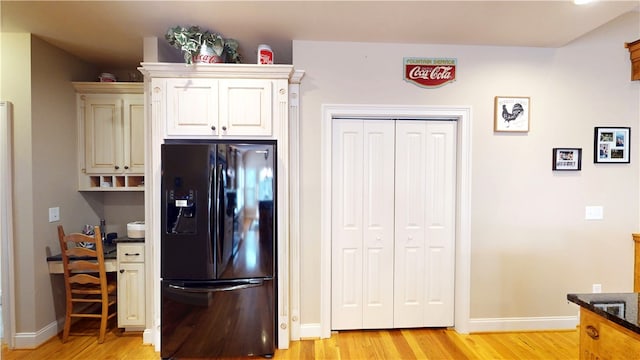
191,39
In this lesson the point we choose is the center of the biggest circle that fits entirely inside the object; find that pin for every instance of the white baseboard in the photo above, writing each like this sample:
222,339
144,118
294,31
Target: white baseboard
310,331
31,340
313,331
523,324
34,339
147,337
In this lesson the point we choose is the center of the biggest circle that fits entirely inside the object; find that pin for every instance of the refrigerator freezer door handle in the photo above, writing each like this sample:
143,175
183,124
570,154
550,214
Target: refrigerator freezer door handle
226,287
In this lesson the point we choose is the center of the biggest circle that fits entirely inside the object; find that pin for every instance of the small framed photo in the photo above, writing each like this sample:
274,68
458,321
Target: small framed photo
567,159
511,114
612,145
612,307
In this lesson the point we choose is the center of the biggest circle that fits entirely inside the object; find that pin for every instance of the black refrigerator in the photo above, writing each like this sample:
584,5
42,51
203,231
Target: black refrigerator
218,264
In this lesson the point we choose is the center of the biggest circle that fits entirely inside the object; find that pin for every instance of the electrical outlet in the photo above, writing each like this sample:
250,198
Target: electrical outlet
596,288
54,214
594,213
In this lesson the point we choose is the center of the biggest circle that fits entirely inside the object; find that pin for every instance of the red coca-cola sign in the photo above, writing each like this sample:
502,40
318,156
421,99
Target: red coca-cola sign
430,72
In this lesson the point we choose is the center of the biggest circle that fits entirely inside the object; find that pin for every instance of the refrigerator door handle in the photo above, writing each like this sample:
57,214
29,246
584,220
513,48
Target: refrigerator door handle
226,287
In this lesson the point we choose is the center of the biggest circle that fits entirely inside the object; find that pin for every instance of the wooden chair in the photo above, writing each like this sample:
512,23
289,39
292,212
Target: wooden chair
86,284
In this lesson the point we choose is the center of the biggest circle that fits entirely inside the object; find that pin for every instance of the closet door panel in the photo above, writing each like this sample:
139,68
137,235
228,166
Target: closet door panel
409,280
346,228
440,222
378,237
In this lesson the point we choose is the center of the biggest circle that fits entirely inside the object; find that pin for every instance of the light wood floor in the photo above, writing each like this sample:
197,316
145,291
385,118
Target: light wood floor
373,344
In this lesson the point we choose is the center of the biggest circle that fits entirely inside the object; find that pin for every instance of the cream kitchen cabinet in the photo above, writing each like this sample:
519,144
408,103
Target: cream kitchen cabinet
131,285
110,136
219,108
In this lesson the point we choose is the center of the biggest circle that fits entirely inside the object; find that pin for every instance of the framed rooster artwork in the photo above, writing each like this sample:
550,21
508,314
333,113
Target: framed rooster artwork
511,114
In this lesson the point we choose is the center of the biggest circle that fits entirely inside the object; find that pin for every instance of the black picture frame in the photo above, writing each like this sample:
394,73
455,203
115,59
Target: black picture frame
567,159
612,145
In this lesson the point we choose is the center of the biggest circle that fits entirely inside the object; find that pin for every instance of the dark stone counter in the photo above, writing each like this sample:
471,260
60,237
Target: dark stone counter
109,253
620,308
128,240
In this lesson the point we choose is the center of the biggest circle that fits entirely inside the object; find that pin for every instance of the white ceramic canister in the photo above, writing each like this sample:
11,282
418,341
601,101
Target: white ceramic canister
265,54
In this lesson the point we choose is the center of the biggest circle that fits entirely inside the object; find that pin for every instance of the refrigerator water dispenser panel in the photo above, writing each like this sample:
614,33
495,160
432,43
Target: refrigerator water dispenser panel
181,212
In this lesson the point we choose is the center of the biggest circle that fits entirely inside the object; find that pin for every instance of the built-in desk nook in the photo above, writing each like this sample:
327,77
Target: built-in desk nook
126,257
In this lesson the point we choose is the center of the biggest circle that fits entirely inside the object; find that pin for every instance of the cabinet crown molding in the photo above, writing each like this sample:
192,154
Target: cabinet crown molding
220,71
108,87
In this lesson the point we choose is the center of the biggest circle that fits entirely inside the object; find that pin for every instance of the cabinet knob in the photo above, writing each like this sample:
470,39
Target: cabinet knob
121,271
224,128
126,167
117,167
213,127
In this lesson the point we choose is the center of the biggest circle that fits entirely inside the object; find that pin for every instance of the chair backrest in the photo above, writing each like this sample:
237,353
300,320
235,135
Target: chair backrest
82,259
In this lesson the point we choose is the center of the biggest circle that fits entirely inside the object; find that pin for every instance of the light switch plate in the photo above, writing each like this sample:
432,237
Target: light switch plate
54,214
593,213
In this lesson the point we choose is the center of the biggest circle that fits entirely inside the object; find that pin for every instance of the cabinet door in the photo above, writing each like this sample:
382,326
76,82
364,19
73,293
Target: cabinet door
246,107
103,134
192,107
606,340
133,134
131,294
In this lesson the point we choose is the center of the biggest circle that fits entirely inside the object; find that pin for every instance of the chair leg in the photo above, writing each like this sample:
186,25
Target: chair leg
103,322
67,323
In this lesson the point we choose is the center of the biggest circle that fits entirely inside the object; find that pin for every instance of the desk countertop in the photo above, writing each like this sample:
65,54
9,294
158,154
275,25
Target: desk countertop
109,250
109,253
620,308
128,240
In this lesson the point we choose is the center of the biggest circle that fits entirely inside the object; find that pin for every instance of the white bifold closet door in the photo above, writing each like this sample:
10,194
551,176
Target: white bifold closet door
424,223
393,211
362,224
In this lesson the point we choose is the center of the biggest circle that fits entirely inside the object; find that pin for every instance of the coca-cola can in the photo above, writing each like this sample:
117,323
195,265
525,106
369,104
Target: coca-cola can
265,54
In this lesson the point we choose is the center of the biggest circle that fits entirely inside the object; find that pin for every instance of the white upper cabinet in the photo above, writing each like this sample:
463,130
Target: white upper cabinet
103,133
229,107
110,136
192,107
219,101
246,107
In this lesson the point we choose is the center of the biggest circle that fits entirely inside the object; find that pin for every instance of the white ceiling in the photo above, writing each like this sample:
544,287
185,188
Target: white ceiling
110,33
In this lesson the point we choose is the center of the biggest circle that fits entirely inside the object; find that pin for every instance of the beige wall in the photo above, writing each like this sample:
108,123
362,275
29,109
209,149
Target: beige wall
530,244
36,78
16,87
121,208
53,176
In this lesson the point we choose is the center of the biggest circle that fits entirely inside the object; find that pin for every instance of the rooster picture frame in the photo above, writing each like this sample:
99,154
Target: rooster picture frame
512,114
